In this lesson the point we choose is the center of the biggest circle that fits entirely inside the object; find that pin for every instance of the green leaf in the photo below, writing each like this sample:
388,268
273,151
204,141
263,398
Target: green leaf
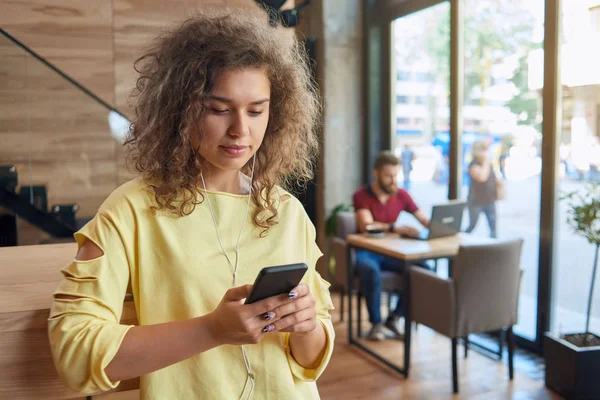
583,212
331,222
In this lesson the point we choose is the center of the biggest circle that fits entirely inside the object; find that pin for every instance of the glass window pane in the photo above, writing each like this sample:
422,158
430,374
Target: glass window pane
579,163
502,132
421,60
403,75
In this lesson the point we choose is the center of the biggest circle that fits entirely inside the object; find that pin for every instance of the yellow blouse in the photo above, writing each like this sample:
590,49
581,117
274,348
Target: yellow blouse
176,270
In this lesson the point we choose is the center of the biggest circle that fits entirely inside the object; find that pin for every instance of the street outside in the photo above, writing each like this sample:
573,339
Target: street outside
518,217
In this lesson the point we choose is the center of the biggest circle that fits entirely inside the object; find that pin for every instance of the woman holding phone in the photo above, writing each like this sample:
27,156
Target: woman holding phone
225,116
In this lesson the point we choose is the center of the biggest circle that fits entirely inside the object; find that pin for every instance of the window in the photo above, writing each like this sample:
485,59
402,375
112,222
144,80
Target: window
423,77
500,81
579,151
403,75
502,111
472,122
595,18
422,41
493,51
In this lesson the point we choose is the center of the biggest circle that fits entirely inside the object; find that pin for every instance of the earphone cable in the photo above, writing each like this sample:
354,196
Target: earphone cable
250,376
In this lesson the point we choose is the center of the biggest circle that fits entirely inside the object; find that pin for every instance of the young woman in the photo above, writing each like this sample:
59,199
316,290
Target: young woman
225,115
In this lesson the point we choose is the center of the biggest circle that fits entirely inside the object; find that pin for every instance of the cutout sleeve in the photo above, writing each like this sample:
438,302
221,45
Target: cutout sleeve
83,327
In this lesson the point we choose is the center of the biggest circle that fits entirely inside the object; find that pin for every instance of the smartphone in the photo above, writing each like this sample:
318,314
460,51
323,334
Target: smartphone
272,281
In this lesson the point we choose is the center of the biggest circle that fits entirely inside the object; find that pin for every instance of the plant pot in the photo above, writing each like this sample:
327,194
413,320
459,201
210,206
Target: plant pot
572,371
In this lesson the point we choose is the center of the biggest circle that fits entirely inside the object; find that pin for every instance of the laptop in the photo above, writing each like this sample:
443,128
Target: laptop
446,220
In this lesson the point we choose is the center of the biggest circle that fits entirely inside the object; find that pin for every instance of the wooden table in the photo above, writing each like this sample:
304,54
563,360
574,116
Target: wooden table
406,251
29,275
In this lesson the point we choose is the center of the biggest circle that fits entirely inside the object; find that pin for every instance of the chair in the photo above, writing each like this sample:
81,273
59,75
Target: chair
391,282
481,296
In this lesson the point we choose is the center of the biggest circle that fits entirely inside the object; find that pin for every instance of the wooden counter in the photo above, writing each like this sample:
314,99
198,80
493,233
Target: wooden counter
29,275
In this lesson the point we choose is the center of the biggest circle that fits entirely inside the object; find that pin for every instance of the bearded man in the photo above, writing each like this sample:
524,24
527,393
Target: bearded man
378,205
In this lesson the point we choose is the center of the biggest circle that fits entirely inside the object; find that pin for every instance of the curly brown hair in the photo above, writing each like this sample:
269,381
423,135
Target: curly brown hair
176,76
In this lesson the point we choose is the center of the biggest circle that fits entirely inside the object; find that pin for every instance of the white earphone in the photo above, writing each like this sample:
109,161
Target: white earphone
250,376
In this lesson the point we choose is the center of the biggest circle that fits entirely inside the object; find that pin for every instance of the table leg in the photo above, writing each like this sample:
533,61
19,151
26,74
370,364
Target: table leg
350,291
407,320
354,342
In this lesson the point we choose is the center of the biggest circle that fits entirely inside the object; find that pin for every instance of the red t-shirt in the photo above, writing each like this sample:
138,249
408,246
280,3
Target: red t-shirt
364,198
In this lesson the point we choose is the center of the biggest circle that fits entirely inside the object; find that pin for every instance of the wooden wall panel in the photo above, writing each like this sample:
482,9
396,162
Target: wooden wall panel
54,134
137,22
75,35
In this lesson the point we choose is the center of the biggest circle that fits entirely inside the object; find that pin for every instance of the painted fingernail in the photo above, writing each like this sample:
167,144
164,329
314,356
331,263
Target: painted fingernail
268,328
293,294
269,315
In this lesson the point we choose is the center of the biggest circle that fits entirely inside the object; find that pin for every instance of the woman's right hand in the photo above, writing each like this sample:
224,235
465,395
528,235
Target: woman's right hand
234,322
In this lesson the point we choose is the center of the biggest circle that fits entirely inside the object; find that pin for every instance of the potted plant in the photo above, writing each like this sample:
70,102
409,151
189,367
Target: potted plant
573,360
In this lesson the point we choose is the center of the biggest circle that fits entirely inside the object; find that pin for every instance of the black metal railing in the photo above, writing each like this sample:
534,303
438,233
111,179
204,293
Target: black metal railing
60,72
29,201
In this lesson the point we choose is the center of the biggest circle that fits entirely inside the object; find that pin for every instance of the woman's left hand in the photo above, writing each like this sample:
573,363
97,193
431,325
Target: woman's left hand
299,315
